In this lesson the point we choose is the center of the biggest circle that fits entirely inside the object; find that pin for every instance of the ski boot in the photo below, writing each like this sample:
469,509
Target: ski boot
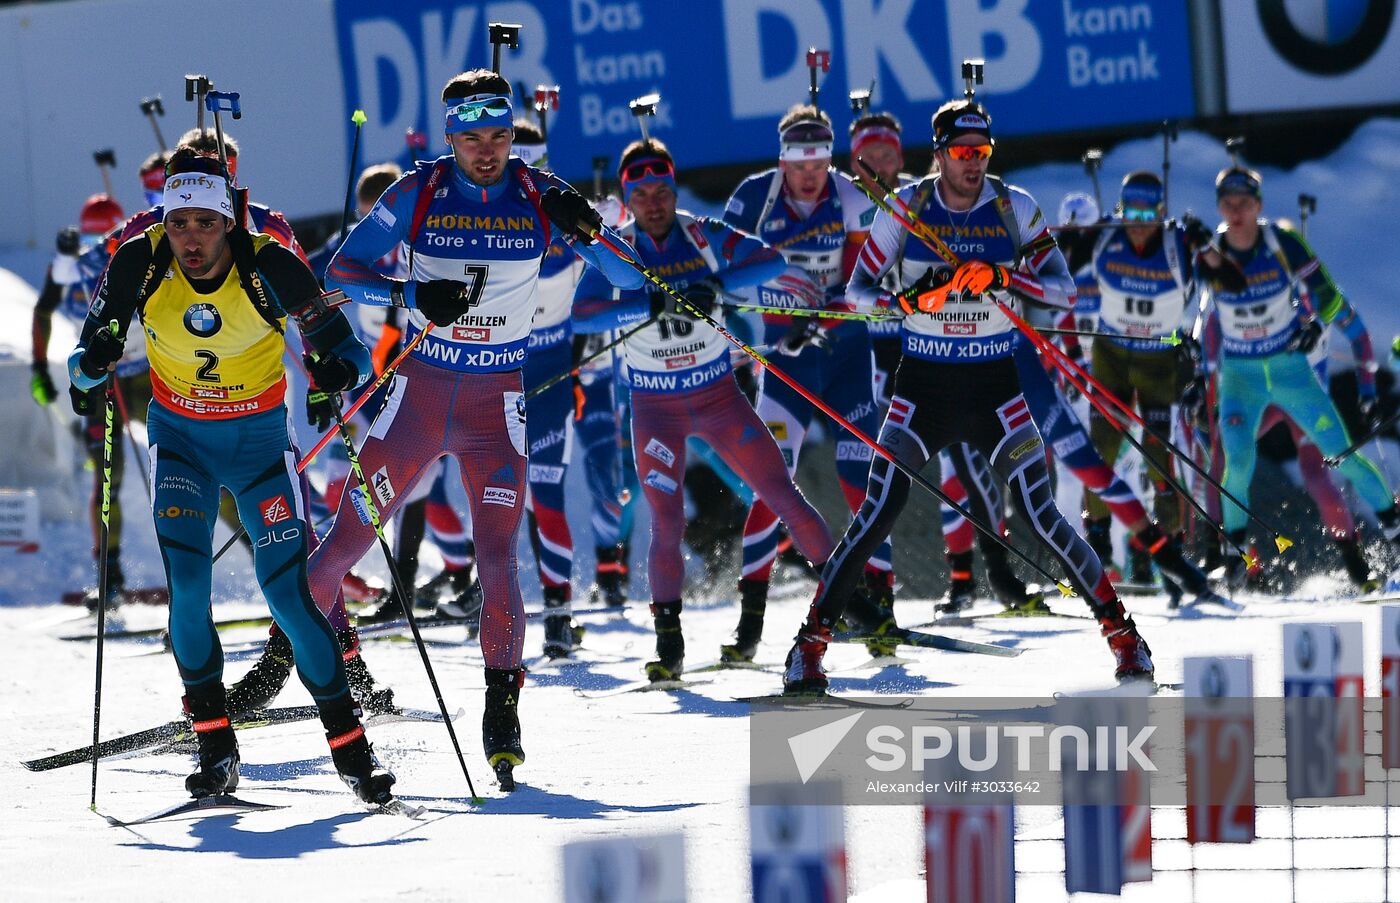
356,589
1390,524
1132,657
558,628
218,746
354,758
363,687
1358,570
256,689
803,674
500,723
1008,589
962,592
116,587
1238,571
753,602
1179,576
610,579
670,643
1139,564
876,609
1101,541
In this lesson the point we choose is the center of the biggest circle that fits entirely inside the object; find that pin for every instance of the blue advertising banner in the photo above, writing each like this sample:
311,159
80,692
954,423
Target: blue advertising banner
728,69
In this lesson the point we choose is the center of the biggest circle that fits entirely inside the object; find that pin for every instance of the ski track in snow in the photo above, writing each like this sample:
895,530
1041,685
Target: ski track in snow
634,764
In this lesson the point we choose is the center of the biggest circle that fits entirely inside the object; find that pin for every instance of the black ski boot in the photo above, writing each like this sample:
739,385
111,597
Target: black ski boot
1008,589
670,643
879,591
558,625
354,758
256,689
116,588
610,579
363,687
1358,569
218,746
753,602
1139,564
500,723
962,591
1179,576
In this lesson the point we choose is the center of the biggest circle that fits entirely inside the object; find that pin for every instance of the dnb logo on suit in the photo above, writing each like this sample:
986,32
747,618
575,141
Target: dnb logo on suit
203,320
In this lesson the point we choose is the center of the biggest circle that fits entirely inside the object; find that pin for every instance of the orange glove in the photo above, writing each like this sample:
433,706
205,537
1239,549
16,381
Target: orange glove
977,276
928,294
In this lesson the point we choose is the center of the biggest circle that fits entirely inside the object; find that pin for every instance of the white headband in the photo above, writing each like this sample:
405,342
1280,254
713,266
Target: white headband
804,151
197,189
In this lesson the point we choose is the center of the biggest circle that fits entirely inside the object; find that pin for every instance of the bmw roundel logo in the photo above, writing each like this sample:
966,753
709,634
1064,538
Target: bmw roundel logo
203,320
1330,38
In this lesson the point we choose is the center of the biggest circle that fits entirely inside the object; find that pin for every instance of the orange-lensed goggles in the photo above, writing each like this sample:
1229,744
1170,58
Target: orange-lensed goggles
969,151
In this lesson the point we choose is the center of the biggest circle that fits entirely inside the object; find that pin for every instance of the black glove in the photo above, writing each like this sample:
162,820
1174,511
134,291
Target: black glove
320,412
1305,339
806,331
701,295
103,350
441,300
68,241
1198,234
85,402
571,213
41,385
330,373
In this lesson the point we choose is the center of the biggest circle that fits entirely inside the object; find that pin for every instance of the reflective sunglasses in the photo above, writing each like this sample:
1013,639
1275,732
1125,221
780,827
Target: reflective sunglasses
969,151
652,167
472,110
1139,214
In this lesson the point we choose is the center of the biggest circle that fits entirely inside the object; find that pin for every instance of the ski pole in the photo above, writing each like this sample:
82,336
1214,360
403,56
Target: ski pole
109,413
821,405
221,102
152,107
371,509
1356,446
1307,206
325,440
501,34
359,118
1119,423
909,220
863,316
588,358
135,447
1169,134
196,86
106,161
817,60
1093,159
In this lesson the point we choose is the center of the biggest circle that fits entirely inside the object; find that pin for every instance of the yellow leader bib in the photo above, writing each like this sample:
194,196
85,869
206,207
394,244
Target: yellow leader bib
212,355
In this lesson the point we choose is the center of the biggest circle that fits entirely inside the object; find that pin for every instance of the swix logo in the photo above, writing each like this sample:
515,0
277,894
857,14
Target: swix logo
274,510
677,363
206,392
471,334
959,328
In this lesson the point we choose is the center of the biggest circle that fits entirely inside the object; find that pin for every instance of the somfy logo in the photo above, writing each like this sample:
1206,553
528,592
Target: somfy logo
1327,38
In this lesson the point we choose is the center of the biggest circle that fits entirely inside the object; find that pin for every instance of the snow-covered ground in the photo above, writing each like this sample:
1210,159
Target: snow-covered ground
629,765
634,764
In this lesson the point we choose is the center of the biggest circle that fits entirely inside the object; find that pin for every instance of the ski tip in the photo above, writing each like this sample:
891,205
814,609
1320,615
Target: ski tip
1283,543
1064,588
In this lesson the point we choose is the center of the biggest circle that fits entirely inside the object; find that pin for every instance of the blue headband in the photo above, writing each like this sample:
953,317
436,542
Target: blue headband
479,111
1141,194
